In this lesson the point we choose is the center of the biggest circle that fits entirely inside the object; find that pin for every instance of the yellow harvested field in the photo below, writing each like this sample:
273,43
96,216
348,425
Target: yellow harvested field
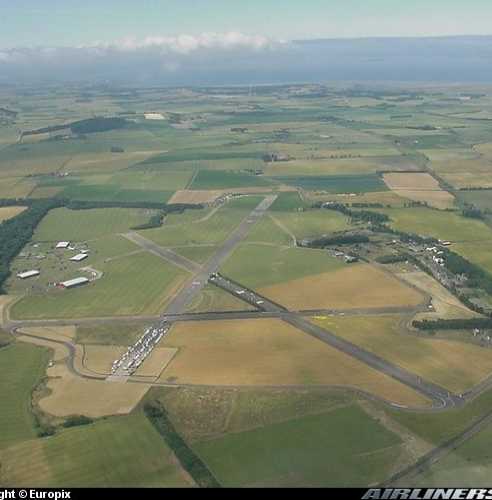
210,195
384,197
70,394
445,304
5,302
106,161
355,286
99,358
454,365
419,186
9,212
194,197
269,352
158,359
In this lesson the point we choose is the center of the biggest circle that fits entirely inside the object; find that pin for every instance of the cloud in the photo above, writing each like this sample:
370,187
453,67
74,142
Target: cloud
185,44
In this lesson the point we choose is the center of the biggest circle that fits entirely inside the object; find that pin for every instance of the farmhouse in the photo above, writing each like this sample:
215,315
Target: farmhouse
79,257
28,274
74,282
62,244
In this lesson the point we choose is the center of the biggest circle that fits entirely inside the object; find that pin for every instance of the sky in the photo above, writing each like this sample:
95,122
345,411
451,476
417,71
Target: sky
216,42
69,23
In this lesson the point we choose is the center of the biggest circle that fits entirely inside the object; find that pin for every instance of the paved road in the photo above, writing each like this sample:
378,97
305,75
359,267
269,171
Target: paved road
209,316
440,397
165,253
185,297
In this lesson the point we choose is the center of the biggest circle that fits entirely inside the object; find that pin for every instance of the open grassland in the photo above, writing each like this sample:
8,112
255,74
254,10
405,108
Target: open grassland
336,183
22,367
438,427
256,265
444,362
465,173
344,447
79,225
312,222
212,298
419,187
445,304
469,465
482,198
113,333
16,187
208,230
120,451
347,287
137,284
9,212
203,413
222,179
269,352
326,166
438,224
478,252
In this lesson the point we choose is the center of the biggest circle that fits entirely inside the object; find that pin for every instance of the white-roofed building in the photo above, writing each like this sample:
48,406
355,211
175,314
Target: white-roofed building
28,274
79,257
74,282
63,244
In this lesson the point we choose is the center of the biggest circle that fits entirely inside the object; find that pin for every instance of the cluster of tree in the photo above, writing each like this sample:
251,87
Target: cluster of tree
90,125
477,277
358,215
167,208
391,258
76,420
98,124
342,239
472,212
189,460
367,205
453,324
154,221
16,232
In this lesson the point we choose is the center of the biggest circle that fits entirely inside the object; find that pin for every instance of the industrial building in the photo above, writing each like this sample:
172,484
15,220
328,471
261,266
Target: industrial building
28,274
79,257
73,282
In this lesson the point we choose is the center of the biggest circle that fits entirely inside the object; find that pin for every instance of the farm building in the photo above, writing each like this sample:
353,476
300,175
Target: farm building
74,282
62,244
28,274
79,257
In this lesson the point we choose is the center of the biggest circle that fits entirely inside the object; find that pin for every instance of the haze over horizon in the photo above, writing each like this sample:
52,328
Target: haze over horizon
175,42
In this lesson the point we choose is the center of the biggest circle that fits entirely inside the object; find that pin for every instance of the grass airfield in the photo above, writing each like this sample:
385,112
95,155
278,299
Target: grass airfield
259,402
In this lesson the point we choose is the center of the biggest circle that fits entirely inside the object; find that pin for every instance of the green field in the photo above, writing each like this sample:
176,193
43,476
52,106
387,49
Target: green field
336,183
212,230
481,198
255,265
436,428
222,179
438,224
467,466
344,447
312,223
118,451
23,367
132,285
78,225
